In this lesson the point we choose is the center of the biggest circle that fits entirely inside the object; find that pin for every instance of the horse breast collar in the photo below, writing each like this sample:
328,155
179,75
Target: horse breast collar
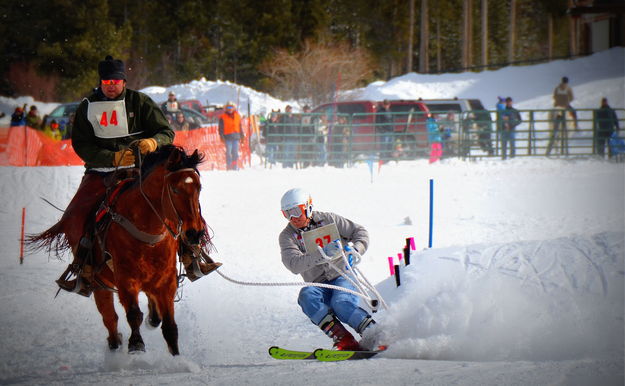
105,208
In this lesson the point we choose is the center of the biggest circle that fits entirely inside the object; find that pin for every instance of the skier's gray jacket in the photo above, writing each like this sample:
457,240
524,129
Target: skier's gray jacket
298,261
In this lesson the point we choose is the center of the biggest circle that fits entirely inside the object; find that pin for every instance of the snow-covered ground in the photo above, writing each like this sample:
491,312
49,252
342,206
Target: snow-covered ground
524,283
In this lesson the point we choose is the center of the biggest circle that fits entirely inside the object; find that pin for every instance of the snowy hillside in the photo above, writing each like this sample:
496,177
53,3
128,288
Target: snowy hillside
592,77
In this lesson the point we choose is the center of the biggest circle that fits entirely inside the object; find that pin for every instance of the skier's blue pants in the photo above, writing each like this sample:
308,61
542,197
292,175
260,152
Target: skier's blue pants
317,302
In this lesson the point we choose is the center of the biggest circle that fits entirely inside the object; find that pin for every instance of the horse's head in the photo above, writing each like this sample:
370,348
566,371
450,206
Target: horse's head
181,202
181,195
175,174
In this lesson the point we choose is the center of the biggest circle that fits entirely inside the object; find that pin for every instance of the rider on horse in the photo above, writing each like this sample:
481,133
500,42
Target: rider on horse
105,125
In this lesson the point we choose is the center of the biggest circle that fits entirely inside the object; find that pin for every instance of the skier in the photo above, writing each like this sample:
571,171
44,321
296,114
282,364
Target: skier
326,308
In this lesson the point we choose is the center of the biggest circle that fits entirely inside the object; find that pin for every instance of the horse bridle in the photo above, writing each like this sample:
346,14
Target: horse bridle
175,234
171,202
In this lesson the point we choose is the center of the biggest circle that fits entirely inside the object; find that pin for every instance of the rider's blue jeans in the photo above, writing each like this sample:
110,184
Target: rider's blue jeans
317,302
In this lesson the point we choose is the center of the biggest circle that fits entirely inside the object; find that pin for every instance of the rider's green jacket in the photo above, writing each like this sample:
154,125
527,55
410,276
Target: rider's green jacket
144,119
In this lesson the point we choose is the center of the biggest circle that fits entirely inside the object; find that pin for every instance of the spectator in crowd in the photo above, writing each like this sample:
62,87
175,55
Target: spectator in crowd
66,129
53,131
384,128
290,128
606,123
321,140
33,119
435,139
18,118
339,138
482,123
307,146
170,106
511,118
272,131
231,132
448,127
180,123
501,106
562,98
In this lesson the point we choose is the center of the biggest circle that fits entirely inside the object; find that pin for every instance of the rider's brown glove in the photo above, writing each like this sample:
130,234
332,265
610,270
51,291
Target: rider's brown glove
147,145
123,158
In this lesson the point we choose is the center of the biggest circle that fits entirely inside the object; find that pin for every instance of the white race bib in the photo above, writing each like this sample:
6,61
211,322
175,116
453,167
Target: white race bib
321,237
108,119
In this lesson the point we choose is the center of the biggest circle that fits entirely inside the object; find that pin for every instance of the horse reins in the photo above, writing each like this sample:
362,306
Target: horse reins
176,234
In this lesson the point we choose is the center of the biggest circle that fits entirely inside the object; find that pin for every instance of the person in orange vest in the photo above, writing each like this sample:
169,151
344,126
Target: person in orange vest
231,133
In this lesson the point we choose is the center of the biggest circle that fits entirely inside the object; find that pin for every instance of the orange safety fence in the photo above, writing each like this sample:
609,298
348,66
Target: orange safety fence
24,146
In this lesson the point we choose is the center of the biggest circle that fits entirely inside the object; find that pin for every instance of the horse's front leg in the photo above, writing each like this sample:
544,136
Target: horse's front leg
129,298
154,318
104,302
165,303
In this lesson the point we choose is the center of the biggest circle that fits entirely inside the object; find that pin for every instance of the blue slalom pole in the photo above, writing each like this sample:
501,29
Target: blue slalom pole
431,211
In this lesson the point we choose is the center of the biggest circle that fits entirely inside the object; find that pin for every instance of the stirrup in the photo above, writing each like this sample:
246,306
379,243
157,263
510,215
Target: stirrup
83,287
63,281
79,285
194,270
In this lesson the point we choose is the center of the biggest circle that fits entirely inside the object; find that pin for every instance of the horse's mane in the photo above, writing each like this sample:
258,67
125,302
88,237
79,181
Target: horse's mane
160,156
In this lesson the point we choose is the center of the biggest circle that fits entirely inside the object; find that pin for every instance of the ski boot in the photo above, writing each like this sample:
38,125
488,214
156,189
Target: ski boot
197,263
343,339
371,334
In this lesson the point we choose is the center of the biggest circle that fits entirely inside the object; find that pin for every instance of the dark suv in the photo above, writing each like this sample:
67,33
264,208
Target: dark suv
467,121
63,114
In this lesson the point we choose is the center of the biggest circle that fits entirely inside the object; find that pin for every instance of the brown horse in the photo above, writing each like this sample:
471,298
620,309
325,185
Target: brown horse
137,250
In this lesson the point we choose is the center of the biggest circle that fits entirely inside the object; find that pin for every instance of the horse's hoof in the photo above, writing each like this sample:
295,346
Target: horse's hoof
152,324
114,343
136,348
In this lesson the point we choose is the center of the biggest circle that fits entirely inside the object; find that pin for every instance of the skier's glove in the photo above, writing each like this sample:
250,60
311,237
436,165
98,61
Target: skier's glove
333,248
349,252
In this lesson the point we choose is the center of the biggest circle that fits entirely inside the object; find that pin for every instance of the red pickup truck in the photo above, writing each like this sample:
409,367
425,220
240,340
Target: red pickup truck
409,118
212,112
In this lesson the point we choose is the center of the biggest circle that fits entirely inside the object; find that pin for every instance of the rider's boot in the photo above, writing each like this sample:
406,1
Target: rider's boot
343,339
79,274
196,262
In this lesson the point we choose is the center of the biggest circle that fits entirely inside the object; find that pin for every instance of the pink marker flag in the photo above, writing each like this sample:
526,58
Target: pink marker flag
412,245
391,266
400,256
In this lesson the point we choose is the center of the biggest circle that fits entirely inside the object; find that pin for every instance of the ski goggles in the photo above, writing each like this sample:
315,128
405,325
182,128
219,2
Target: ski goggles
294,212
108,82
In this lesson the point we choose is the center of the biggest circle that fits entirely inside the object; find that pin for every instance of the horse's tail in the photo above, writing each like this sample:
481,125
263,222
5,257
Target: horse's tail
52,240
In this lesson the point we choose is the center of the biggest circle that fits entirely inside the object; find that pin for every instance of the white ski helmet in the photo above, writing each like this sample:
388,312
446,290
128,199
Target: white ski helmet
295,202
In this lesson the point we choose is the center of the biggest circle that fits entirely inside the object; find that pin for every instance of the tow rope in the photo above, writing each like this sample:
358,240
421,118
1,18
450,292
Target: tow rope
365,290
